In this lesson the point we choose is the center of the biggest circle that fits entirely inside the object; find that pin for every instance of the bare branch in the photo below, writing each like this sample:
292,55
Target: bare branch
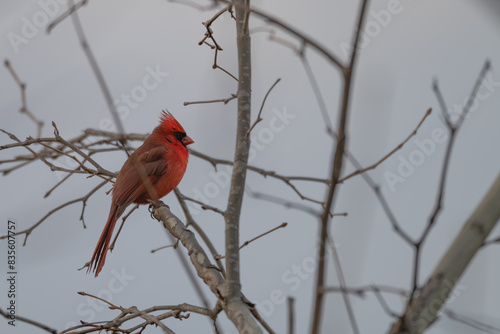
205,270
64,15
124,218
24,107
225,101
190,221
470,239
281,201
257,237
397,148
471,322
317,93
29,321
291,315
83,199
204,206
453,129
164,247
259,118
338,155
342,283
303,37
232,216
97,71
130,313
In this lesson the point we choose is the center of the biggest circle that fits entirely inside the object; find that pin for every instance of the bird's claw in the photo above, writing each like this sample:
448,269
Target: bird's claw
151,210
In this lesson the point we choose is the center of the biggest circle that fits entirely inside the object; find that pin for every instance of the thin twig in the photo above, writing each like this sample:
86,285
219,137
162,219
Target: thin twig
204,206
64,15
281,201
97,71
338,155
131,313
83,199
29,321
24,107
259,118
124,218
342,283
453,129
291,315
397,148
317,93
225,101
246,243
190,220
286,27
174,246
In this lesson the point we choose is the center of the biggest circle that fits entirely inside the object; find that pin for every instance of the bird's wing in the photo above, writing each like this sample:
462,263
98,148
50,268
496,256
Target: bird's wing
130,184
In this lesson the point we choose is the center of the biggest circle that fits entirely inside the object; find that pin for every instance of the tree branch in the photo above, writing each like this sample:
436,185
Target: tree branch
338,155
424,309
238,313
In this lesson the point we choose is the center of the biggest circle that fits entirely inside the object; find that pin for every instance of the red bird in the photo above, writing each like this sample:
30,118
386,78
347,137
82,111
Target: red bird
162,158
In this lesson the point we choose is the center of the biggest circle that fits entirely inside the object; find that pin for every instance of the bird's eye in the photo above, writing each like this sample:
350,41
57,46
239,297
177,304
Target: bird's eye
179,135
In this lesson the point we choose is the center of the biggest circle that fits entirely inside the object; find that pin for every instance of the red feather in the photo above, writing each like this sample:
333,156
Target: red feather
163,157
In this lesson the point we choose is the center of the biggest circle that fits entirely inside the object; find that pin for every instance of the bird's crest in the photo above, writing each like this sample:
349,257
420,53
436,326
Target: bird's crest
169,123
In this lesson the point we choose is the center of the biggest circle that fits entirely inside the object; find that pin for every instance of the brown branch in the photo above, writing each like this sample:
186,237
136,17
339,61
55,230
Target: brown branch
300,35
414,305
130,313
291,315
286,179
64,15
257,237
370,182
453,129
205,270
53,153
338,155
209,35
191,276
362,290
317,93
397,148
216,66
97,71
83,199
471,322
225,101
64,179
384,304
281,201
342,283
215,161
174,246
124,218
204,206
24,107
272,37
390,215
190,221
259,118
29,321
236,308
99,169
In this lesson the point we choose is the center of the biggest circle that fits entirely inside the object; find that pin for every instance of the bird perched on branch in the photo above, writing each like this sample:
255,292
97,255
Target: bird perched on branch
151,172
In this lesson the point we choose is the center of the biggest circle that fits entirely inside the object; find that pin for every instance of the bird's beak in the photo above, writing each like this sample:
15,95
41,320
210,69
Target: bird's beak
186,141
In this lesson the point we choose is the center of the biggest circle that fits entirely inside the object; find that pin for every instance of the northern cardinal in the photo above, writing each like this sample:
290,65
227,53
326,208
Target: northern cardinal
162,159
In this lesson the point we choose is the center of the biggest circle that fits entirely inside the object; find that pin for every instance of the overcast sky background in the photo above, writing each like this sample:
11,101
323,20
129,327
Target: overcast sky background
449,40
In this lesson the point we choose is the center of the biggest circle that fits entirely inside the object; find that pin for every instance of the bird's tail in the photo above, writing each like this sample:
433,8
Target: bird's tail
99,256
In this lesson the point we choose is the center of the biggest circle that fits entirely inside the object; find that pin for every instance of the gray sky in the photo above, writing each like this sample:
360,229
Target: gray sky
401,55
